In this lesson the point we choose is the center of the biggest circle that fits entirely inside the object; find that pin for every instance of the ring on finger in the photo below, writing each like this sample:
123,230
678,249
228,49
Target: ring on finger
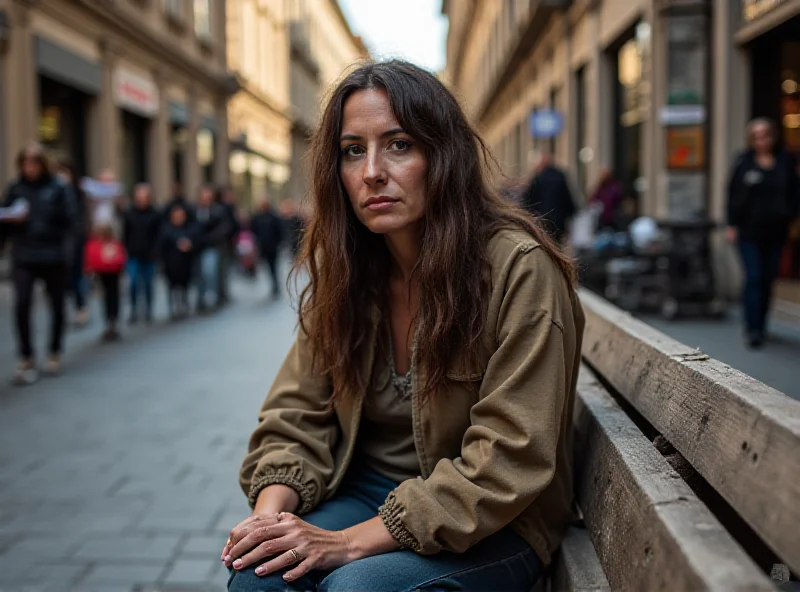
295,555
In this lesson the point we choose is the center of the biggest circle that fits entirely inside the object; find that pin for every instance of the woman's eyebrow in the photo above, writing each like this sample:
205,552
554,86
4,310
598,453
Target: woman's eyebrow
391,132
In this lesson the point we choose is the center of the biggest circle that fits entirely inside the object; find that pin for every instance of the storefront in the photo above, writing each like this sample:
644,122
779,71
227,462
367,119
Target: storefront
67,83
631,109
137,96
770,31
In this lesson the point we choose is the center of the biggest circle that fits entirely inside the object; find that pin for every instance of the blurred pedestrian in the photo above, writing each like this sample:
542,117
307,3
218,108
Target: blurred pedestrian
294,224
212,220
37,217
178,199
268,229
105,258
548,196
227,199
763,199
141,227
609,195
77,283
104,194
424,411
177,248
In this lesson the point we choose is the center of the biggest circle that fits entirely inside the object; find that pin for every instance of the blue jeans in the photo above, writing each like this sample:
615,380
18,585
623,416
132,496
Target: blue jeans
207,277
761,264
502,561
140,273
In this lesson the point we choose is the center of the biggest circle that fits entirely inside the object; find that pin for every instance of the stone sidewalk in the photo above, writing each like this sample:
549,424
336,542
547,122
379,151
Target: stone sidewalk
121,475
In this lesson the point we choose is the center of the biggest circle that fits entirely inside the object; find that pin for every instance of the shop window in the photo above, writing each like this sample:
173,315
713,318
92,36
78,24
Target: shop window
202,19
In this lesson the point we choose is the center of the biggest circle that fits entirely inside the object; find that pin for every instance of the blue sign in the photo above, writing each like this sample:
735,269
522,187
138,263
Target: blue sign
546,123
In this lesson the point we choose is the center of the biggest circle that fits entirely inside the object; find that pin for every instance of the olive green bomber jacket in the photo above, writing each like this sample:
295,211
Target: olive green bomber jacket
490,457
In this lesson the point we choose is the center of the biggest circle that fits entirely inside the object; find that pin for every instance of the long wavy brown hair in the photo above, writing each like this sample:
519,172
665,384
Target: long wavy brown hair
348,266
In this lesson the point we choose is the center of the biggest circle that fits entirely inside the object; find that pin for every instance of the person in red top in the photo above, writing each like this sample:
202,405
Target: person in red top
106,258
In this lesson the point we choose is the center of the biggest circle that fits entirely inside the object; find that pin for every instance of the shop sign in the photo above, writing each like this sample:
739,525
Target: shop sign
135,93
753,9
546,123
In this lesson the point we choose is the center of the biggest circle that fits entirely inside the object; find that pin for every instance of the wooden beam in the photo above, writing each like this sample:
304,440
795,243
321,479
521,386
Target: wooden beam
650,530
742,436
577,567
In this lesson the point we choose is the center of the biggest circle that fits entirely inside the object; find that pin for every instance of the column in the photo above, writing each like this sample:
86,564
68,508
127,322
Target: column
222,145
599,124
191,166
160,164
20,101
108,125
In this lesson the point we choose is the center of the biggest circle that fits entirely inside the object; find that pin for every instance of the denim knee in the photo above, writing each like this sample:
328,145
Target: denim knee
246,580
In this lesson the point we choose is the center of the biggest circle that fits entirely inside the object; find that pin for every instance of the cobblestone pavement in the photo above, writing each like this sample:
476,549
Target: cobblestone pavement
121,474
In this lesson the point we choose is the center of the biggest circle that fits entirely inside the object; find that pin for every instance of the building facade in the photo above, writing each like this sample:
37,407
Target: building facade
285,53
138,87
657,91
322,48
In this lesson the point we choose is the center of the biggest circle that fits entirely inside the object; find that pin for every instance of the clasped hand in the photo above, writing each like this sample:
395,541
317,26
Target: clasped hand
289,541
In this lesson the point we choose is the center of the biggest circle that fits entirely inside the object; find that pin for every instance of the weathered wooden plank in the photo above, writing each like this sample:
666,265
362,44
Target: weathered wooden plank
649,529
578,568
742,436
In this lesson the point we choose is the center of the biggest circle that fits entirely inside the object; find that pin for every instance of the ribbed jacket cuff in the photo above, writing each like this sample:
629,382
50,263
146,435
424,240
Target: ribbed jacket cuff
391,513
305,489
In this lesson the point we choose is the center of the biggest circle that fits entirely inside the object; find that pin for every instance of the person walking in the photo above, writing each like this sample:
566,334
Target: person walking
763,199
78,286
106,257
141,226
609,195
268,229
38,216
549,197
419,432
177,249
212,221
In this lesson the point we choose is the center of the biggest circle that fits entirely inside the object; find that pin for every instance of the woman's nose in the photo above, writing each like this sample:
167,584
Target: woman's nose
373,172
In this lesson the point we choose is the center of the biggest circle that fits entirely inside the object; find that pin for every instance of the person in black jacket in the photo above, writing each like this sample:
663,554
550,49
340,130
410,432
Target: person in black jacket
141,226
763,199
177,248
227,199
548,197
213,225
38,221
268,228
78,284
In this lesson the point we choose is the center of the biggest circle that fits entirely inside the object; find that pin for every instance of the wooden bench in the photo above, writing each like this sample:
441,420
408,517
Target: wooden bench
687,472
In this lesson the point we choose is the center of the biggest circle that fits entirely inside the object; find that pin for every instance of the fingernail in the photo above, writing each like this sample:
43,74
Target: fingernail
287,577
260,571
237,564
227,559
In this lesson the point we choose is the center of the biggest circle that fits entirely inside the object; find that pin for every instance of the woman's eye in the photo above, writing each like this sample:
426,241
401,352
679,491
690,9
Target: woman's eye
353,150
401,144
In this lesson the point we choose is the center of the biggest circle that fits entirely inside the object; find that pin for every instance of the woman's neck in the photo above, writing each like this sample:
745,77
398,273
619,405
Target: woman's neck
404,247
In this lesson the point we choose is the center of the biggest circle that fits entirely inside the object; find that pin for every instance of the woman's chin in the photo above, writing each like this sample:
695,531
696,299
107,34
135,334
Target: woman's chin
386,225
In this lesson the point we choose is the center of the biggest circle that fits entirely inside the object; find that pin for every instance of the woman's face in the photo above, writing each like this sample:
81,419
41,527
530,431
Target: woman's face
382,168
762,138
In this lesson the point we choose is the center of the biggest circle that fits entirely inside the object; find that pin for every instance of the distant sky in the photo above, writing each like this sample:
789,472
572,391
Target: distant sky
415,30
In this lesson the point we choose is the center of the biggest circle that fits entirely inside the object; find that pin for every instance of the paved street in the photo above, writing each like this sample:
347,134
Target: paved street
777,364
121,475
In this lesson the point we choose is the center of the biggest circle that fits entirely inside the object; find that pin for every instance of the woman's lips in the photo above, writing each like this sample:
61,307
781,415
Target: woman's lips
380,204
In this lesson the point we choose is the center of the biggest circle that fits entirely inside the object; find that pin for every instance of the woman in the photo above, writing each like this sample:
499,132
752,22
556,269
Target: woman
39,219
77,281
763,199
418,433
